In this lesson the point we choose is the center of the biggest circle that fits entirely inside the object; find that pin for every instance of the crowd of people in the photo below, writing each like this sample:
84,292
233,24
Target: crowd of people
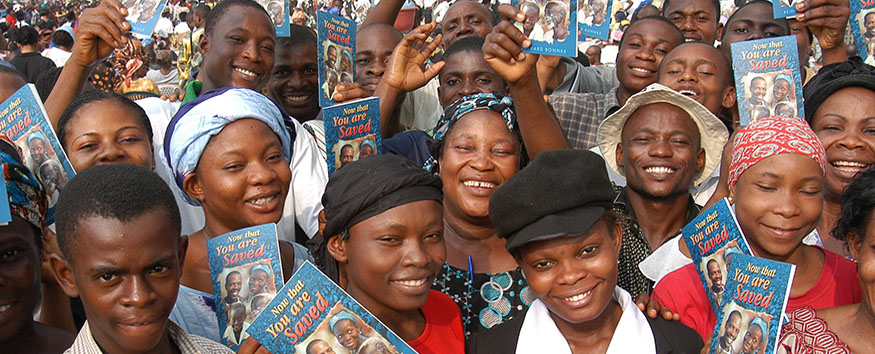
521,203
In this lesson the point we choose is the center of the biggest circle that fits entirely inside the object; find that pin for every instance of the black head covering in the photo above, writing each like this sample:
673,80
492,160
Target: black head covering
561,193
366,188
834,77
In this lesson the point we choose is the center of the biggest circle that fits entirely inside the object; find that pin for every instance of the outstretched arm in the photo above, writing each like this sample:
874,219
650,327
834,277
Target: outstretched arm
101,30
826,20
503,51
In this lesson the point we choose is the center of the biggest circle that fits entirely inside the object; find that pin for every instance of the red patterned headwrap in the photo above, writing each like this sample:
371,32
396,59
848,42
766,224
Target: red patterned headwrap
771,136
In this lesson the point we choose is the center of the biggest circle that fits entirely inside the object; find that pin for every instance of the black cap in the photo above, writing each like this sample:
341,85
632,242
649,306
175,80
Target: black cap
834,77
561,193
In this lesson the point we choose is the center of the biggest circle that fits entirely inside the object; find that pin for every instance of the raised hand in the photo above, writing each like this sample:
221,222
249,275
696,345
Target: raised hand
503,48
101,30
825,19
405,69
349,92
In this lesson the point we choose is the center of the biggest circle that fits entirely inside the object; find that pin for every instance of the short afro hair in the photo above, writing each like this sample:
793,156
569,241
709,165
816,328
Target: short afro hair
115,191
858,203
783,21
678,34
219,11
714,3
93,96
27,35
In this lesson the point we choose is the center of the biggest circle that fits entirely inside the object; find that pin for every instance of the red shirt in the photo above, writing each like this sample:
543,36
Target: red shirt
683,293
443,326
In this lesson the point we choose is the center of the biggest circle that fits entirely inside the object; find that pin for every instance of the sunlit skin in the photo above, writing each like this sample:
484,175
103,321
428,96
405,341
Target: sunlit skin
845,124
110,134
374,46
464,19
697,19
594,55
752,22
752,339
645,43
294,80
700,72
127,286
467,73
575,278
730,333
390,260
660,151
480,149
240,51
348,334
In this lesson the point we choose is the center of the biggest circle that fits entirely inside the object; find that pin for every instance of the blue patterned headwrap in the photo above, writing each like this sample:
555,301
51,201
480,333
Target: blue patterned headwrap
784,77
198,121
756,321
342,315
260,267
27,199
503,105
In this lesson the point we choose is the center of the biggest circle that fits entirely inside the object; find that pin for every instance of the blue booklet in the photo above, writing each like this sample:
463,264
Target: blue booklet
311,309
24,120
143,15
712,237
594,18
335,49
553,28
784,8
279,14
352,132
246,271
5,211
767,78
753,305
863,27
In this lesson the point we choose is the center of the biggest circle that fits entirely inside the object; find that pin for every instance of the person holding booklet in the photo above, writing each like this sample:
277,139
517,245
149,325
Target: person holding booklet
384,246
566,239
848,328
236,167
109,219
23,247
778,201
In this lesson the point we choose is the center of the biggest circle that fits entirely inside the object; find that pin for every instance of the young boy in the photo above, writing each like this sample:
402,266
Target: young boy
109,220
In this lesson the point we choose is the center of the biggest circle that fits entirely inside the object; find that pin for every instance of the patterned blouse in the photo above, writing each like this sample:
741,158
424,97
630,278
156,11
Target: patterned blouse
804,332
489,299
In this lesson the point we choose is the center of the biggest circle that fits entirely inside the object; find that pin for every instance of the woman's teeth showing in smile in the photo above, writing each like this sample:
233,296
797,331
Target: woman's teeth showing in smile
262,201
850,166
479,184
578,297
411,283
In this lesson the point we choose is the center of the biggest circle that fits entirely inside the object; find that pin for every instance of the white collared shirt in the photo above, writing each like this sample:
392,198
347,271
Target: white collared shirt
539,333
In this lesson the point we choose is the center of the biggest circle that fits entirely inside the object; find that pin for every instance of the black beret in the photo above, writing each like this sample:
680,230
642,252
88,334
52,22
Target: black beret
373,185
834,77
561,193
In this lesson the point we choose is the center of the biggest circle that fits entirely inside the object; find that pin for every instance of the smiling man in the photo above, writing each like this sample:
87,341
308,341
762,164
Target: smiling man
697,19
662,142
294,80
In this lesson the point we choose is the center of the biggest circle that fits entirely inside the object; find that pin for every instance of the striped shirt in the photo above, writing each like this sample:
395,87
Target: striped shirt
187,343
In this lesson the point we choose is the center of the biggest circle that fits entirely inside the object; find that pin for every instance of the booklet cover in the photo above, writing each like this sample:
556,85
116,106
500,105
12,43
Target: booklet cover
767,78
785,8
712,238
863,27
5,211
352,132
336,54
279,14
247,272
753,305
311,311
593,18
24,120
554,26
143,15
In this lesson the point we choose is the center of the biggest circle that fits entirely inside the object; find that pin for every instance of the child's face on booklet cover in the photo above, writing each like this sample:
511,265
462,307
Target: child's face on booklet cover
127,285
843,124
20,274
575,277
242,178
778,201
239,52
392,258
